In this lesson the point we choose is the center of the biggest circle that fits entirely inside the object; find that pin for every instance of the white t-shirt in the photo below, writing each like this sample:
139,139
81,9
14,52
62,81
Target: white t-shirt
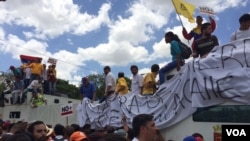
240,34
45,75
35,84
9,87
137,83
135,139
27,73
110,81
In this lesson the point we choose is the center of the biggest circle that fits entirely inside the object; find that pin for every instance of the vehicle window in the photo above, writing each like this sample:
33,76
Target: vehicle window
223,113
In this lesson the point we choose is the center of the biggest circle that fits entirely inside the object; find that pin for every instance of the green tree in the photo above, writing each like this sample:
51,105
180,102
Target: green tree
99,81
128,82
63,86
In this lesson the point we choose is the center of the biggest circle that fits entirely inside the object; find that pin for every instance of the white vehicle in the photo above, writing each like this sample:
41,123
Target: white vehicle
56,110
233,58
207,121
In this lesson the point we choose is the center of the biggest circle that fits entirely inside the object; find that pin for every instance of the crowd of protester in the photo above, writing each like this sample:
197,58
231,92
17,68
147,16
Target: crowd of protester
202,44
33,77
143,129
40,131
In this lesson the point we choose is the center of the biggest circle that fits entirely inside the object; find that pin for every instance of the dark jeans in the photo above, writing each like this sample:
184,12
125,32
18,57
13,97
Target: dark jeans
34,77
45,87
52,88
106,97
166,69
26,83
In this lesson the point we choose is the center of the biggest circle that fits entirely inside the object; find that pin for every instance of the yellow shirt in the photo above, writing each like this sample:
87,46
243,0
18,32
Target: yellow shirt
54,72
197,30
36,68
150,77
121,83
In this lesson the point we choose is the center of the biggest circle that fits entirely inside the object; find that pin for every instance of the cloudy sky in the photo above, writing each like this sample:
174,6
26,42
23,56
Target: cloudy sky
86,35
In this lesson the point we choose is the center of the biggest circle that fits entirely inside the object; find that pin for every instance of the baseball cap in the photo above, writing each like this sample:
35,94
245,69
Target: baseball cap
84,79
189,138
77,136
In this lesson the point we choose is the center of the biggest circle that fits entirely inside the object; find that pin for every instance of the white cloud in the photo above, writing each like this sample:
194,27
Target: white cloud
53,18
2,34
114,53
16,46
138,27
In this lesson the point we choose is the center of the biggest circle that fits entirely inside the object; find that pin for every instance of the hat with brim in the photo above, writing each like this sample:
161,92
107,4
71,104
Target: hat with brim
77,136
49,131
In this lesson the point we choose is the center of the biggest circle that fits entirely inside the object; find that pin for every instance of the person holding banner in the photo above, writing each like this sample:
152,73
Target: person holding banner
244,30
110,83
149,83
87,90
121,85
196,32
137,80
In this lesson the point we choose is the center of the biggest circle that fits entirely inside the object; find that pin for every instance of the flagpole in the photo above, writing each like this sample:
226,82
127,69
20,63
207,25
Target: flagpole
177,13
178,16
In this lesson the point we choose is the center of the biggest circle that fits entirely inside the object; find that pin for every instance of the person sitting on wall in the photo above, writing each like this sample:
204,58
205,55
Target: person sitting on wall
8,89
35,85
37,100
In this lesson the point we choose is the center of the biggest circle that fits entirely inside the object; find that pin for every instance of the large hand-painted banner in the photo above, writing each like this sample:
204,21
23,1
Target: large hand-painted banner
224,75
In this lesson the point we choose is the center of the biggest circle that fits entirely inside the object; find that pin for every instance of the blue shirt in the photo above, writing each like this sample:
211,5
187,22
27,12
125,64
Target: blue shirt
88,90
175,49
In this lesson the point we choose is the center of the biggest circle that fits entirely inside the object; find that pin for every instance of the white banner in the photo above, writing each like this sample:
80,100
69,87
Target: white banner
224,75
207,10
52,61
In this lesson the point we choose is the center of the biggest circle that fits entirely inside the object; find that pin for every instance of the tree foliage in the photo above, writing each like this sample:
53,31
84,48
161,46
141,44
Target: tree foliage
63,86
99,81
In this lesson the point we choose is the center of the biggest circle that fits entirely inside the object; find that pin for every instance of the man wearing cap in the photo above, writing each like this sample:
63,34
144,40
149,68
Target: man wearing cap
17,72
78,136
87,90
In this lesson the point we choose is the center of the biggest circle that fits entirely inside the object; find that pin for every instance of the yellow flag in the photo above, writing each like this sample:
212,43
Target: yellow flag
185,9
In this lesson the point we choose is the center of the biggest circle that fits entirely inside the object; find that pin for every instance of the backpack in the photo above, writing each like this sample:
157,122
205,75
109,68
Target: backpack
185,50
18,72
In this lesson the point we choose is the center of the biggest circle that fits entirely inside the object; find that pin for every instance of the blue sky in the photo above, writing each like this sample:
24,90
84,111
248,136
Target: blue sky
86,35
